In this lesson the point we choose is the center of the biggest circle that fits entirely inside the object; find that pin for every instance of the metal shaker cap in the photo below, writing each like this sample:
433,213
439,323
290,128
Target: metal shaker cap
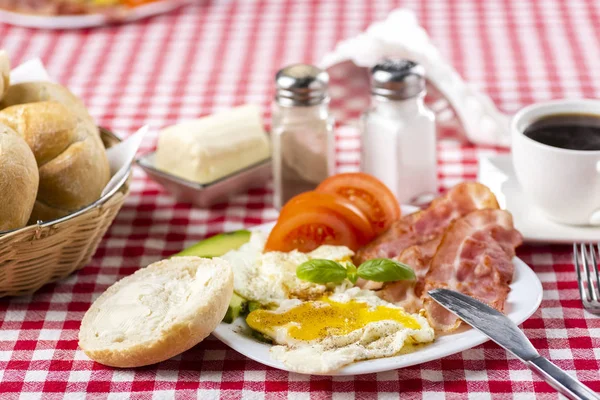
301,85
397,79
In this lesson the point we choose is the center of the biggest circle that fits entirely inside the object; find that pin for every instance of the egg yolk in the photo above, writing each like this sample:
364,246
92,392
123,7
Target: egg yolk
317,320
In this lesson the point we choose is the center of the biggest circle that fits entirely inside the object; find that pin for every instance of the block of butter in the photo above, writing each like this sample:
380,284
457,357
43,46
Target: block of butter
215,146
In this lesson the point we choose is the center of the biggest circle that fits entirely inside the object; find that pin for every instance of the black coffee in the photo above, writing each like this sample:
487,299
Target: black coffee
567,131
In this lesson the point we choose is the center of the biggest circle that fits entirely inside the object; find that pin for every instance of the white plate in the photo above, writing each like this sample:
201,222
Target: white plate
90,20
524,298
497,173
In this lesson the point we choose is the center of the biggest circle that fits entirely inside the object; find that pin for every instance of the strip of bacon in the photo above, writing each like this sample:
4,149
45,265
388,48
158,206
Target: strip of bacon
407,294
474,257
426,225
414,238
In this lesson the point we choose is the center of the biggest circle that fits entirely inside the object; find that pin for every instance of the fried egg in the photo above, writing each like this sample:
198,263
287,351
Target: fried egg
270,278
350,325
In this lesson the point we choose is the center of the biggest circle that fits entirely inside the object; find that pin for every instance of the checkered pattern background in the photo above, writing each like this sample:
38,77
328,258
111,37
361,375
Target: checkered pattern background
217,54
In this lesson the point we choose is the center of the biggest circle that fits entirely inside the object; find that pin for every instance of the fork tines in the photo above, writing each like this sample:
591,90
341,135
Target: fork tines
585,258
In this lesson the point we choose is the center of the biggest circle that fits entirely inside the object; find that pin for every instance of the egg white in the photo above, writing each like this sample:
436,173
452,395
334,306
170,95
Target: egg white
270,278
374,340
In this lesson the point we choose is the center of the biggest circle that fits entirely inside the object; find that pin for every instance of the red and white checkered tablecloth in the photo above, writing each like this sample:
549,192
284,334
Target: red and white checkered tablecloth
217,54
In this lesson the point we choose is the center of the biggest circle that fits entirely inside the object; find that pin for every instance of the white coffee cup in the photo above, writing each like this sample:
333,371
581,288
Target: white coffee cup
564,184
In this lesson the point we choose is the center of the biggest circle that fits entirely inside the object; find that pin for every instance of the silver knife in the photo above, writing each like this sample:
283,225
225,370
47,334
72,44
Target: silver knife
505,333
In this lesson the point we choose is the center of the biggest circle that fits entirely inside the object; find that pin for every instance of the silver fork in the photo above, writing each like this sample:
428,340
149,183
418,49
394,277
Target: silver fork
588,278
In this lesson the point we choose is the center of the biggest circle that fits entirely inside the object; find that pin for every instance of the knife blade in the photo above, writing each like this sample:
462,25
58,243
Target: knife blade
507,334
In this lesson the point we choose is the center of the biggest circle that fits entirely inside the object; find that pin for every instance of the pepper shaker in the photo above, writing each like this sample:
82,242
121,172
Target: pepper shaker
398,131
301,131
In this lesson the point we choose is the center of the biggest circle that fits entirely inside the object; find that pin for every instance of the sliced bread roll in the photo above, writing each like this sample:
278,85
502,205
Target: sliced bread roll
158,312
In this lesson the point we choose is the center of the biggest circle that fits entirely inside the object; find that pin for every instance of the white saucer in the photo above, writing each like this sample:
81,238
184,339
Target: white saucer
497,173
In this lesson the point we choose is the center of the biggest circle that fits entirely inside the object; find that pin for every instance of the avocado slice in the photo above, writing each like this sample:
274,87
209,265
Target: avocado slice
253,305
237,306
217,245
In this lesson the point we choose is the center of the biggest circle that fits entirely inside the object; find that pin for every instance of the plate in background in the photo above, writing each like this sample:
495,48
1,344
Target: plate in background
89,20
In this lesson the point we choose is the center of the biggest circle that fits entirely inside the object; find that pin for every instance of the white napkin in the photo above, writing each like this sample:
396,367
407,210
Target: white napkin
29,71
400,36
120,156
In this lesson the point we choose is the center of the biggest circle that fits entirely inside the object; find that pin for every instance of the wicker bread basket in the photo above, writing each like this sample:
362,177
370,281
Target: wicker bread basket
33,256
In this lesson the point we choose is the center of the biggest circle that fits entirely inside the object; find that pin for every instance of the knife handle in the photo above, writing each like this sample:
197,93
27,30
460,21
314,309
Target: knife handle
560,380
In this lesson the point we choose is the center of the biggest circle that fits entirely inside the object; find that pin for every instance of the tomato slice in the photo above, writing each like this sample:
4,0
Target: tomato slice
338,204
308,230
369,194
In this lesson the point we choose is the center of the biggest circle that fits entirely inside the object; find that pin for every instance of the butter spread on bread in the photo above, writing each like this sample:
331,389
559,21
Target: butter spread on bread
158,312
212,147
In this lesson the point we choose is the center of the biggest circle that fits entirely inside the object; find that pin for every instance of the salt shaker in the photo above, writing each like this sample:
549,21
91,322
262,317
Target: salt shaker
301,131
398,131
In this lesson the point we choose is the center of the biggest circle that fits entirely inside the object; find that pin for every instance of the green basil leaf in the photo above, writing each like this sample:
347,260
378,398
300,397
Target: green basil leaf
385,270
351,272
321,271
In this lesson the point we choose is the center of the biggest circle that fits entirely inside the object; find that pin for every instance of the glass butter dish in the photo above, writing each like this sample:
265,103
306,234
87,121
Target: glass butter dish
206,194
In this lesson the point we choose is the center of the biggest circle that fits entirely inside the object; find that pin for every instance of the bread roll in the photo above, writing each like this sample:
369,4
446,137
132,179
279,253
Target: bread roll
158,312
18,180
31,92
72,162
4,73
